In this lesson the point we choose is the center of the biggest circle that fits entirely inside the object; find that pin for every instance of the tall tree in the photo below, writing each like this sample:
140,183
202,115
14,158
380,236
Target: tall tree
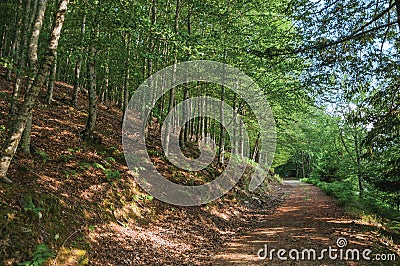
78,65
88,132
19,122
33,69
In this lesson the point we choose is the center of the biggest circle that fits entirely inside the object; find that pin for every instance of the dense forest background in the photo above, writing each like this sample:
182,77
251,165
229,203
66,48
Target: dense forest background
329,70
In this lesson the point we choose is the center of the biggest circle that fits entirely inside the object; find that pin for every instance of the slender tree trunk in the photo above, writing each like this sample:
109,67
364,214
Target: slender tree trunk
16,44
163,86
162,101
3,42
153,19
106,88
172,91
183,138
34,42
358,160
26,136
18,125
15,50
199,130
78,65
213,135
32,16
195,121
221,145
128,42
235,133
74,100
91,120
33,66
199,121
126,89
303,167
168,123
50,87
205,119
21,49
28,28
256,149
241,138
152,41
186,108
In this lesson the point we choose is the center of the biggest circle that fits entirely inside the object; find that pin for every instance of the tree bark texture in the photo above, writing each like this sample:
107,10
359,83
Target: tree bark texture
19,122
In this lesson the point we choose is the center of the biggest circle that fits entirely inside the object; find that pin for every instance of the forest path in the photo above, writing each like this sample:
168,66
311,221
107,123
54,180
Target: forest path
307,219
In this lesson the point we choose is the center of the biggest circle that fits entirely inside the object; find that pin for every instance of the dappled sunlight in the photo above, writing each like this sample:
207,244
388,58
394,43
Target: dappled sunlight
198,132
45,128
285,210
296,225
336,221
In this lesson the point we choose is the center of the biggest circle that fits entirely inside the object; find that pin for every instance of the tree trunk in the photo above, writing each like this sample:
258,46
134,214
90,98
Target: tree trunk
34,41
358,160
3,43
235,133
16,44
16,56
221,144
33,66
205,118
91,120
78,65
21,48
303,167
172,91
128,42
106,88
26,136
186,108
50,87
199,129
74,100
32,17
199,121
183,138
163,86
256,149
241,138
18,125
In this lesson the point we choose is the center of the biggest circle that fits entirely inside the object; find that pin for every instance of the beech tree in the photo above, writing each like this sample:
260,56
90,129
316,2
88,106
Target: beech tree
19,122
110,47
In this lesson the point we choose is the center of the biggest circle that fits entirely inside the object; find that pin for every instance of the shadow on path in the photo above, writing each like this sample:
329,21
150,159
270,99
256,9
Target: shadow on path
307,219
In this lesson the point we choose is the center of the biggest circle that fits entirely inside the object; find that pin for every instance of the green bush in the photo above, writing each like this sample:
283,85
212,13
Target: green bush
371,203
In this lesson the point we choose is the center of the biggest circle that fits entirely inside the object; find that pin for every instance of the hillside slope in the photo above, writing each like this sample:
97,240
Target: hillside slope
79,200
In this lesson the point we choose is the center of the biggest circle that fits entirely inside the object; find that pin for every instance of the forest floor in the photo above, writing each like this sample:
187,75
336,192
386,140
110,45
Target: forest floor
79,199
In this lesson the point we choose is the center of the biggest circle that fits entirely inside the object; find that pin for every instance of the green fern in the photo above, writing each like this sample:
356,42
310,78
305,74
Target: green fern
110,174
42,254
29,206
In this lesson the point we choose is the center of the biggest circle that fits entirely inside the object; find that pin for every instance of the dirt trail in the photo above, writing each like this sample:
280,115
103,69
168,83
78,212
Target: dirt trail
307,219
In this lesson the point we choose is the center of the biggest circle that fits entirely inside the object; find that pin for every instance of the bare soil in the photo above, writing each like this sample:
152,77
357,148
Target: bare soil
307,219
